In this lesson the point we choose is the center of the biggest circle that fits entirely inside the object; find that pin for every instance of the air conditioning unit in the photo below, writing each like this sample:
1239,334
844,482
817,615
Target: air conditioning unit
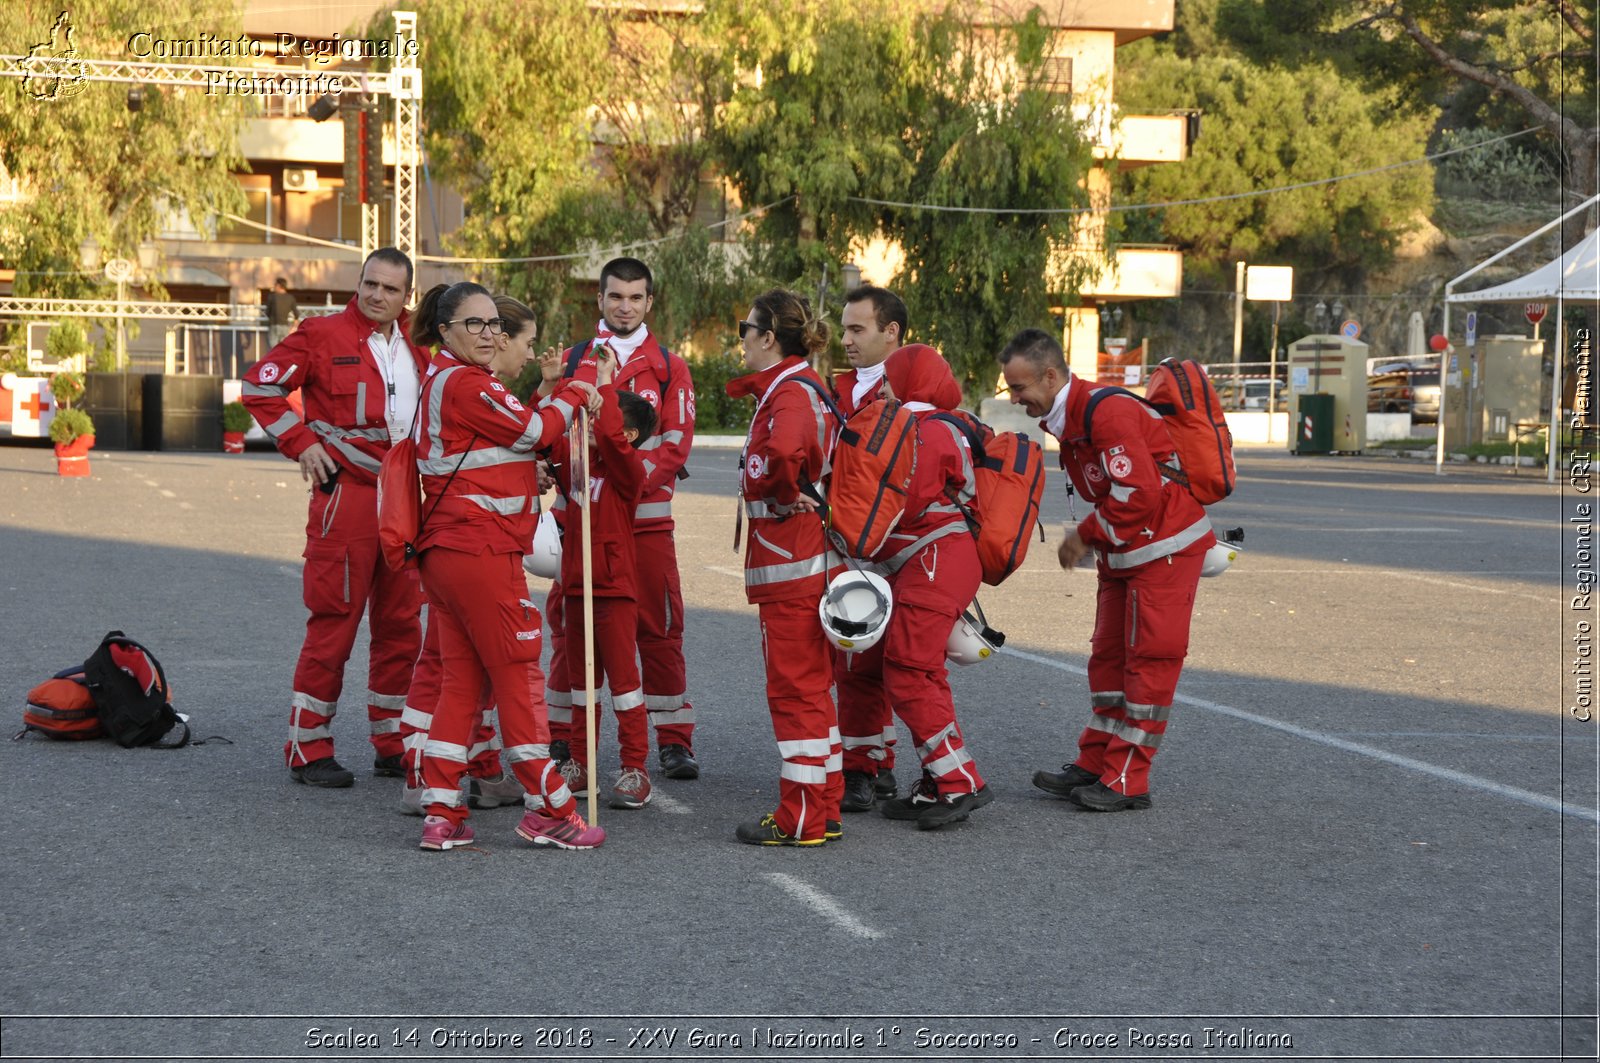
300,180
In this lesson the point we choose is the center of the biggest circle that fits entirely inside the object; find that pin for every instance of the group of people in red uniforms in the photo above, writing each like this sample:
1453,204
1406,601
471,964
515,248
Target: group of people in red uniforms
464,711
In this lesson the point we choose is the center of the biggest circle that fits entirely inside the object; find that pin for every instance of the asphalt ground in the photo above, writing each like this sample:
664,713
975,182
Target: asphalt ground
1374,832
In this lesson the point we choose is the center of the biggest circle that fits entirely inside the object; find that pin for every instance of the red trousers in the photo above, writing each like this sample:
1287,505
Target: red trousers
558,686
417,718
799,667
1141,636
488,629
615,627
344,577
906,669
660,597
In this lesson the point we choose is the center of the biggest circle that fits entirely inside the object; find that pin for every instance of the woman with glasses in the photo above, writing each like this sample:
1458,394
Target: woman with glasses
475,452
786,563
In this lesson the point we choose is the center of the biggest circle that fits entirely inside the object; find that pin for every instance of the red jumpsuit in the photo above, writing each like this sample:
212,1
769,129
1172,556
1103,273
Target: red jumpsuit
785,575
343,391
480,505
931,563
484,754
662,379
616,476
1151,536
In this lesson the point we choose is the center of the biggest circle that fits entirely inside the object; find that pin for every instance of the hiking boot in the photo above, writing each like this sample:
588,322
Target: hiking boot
952,808
390,767
1062,783
576,774
562,832
502,789
560,750
833,831
411,800
765,832
632,789
923,795
439,833
325,772
1101,798
884,785
859,793
678,763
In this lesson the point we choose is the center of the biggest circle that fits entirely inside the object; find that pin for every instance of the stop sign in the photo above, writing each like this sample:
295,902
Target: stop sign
1535,312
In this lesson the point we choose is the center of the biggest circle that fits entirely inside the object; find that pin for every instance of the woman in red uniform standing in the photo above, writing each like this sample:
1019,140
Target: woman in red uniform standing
786,564
475,452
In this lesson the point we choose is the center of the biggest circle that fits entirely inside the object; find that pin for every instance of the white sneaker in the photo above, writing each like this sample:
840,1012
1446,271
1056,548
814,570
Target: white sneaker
411,800
503,789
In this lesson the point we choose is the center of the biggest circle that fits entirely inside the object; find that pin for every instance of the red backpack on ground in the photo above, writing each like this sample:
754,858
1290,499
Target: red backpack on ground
62,707
1182,394
1008,475
872,464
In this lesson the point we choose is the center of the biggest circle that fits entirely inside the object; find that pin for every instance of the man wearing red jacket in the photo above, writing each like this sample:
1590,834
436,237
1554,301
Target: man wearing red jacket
661,378
1150,538
358,376
873,326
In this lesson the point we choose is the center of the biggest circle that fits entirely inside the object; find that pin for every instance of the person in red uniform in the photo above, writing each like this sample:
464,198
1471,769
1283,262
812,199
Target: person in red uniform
489,785
931,563
1150,538
358,376
786,563
661,378
475,453
872,326
616,477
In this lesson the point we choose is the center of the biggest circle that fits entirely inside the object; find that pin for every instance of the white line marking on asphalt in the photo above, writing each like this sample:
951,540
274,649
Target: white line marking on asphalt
151,483
1385,531
735,572
824,904
168,494
185,505
669,805
1527,797
291,571
1466,586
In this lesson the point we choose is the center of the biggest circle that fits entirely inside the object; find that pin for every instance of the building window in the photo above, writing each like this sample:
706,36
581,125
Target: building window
1055,75
259,211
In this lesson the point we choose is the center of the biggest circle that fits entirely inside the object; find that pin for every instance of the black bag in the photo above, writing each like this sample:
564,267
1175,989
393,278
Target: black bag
130,690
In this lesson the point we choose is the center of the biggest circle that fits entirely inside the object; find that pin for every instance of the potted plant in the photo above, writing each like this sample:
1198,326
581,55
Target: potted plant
236,421
73,434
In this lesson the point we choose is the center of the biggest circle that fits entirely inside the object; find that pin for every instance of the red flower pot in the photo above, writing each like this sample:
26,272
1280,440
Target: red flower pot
233,442
72,459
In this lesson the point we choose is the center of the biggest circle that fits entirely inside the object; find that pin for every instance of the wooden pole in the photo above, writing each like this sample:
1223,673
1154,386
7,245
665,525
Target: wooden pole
581,449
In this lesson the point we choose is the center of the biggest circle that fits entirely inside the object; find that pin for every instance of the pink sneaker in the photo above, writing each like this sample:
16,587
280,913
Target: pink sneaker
564,832
439,833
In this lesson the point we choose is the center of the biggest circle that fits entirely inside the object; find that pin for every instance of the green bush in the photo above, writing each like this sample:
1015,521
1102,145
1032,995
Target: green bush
66,341
235,418
66,387
715,412
68,425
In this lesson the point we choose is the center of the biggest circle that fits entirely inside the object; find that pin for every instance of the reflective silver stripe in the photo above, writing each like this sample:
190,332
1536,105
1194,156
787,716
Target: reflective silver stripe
888,734
758,510
479,749
309,734
330,431
931,746
506,507
1125,731
663,702
863,741
1106,699
633,699
651,510
560,503
435,413
386,727
448,798
804,747
357,458
1105,526
942,508
561,713
898,560
557,698
803,773
770,574
306,701
1161,548
445,751
416,718
787,555
662,717
361,402
649,467
386,701
664,439
265,390
477,458
524,753
565,408
558,797
414,742
952,761
1154,713
1122,492
282,425
835,762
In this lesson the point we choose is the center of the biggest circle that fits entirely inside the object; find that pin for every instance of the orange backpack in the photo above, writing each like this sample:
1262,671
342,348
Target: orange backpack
62,707
1181,393
872,464
1008,474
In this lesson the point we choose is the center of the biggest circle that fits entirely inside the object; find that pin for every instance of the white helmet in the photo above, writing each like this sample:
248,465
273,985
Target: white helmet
855,610
1219,557
972,639
544,556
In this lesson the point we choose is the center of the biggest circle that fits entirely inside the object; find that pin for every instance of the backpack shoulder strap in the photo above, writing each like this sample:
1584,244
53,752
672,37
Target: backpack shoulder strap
1106,393
578,351
823,394
973,437
117,637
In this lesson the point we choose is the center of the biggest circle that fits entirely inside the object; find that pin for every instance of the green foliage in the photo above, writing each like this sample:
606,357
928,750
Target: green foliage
93,167
66,341
68,425
236,418
714,410
1501,170
67,387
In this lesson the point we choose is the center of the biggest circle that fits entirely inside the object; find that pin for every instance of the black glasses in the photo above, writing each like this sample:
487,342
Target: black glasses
476,325
747,326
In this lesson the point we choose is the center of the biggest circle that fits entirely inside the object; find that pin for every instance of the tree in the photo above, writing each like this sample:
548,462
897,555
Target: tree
89,164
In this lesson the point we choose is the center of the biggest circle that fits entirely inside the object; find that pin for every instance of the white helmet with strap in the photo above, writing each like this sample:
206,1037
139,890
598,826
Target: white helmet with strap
972,639
544,556
1220,556
855,610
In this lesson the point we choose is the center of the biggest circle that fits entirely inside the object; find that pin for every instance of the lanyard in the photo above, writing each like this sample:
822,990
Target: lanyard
744,452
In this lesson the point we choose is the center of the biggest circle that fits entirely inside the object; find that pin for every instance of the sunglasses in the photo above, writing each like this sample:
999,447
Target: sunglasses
750,326
476,325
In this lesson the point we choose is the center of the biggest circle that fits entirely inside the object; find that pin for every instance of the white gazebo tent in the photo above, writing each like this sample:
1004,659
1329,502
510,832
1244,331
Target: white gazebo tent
1574,275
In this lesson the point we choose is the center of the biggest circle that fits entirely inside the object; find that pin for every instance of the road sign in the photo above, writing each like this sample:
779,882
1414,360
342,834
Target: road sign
1269,284
1472,328
1535,312
1116,345
1351,329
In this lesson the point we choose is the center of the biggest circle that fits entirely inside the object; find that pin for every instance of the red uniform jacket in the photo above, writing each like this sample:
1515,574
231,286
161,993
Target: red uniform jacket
1139,516
791,436
475,449
662,379
844,393
616,478
328,359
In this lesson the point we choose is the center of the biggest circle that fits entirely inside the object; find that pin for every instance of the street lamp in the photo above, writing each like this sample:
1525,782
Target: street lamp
121,271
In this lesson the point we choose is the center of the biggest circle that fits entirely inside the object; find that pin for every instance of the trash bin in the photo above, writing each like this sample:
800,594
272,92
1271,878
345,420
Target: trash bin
1313,429
183,412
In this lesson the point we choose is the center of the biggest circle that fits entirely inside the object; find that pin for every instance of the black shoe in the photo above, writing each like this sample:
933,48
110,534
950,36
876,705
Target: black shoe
884,785
858,792
325,772
833,830
391,767
764,831
560,751
953,808
1102,798
924,795
1063,782
678,763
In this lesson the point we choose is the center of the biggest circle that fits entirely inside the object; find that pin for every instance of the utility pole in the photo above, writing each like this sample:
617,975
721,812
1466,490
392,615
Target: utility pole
1238,331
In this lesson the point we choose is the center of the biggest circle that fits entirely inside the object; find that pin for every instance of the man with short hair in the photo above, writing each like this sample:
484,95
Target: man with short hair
1150,538
359,377
661,378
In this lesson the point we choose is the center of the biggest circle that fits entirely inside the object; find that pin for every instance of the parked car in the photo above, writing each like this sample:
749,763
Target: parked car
1256,392
1401,387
